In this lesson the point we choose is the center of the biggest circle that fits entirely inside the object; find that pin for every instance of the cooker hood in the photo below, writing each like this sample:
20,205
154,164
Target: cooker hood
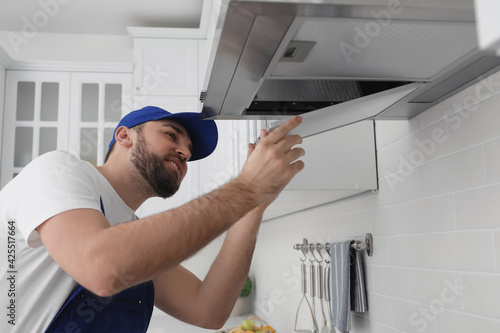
351,60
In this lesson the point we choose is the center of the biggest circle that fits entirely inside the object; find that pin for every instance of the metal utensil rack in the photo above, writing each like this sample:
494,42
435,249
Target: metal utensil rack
357,245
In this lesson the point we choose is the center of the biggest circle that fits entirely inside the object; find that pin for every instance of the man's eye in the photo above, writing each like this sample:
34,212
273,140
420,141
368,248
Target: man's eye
172,135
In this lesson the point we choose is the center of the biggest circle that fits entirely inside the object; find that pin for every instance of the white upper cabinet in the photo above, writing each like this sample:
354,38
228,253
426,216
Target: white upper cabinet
99,100
167,74
339,163
164,66
47,111
35,118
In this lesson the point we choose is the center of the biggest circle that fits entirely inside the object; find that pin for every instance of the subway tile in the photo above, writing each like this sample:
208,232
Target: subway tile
360,202
439,112
388,159
481,294
430,214
349,226
468,251
402,186
425,145
497,249
390,131
359,324
450,321
380,308
435,287
435,114
455,172
366,325
478,208
474,125
380,252
388,220
391,281
492,161
411,317
409,251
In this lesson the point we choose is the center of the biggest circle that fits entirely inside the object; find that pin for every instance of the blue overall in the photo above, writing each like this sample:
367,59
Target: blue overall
125,312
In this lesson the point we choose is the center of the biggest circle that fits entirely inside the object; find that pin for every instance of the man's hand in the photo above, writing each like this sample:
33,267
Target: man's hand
273,162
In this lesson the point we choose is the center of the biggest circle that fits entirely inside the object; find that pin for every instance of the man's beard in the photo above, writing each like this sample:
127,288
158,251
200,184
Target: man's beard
152,168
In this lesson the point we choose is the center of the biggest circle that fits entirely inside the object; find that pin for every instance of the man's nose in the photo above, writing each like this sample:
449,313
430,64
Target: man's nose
184,152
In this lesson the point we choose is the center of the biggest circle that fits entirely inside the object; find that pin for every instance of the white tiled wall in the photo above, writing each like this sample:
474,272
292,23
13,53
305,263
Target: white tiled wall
435,222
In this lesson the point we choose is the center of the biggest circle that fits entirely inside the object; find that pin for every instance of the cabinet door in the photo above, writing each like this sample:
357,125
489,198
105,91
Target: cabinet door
342,159
36,118
166,67
98,102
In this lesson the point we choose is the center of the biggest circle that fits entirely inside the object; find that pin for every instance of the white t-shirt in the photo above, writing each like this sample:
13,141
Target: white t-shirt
33,287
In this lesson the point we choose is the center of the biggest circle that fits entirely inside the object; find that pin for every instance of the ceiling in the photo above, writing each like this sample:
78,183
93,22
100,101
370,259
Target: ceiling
107,17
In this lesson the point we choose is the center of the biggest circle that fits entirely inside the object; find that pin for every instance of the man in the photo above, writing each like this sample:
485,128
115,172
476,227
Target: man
63,222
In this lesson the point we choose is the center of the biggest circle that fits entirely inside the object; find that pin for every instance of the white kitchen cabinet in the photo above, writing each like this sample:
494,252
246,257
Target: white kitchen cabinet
40,116
339,163
164,66
99,101
168,73
342,159
36,118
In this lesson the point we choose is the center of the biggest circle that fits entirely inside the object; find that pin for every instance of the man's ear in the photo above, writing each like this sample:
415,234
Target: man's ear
123,137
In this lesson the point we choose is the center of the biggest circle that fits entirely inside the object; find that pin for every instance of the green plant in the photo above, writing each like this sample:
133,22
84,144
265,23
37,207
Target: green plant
247,288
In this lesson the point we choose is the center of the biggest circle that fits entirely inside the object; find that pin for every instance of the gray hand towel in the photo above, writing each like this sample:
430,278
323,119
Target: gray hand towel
348,288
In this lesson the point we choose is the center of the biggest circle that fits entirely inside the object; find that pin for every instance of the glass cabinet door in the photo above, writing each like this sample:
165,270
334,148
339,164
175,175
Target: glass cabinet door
99,100
36,118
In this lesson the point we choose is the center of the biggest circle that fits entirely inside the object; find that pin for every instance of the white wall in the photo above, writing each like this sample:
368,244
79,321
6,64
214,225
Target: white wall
51,49
435,222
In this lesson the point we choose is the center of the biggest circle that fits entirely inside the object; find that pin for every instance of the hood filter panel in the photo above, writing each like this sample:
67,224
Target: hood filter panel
377,50
299,96
308,90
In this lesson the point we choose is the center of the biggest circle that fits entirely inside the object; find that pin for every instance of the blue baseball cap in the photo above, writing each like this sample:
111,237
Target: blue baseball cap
203,133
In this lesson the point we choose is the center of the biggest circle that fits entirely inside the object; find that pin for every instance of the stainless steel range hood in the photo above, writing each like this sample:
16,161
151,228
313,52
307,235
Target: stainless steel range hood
353,60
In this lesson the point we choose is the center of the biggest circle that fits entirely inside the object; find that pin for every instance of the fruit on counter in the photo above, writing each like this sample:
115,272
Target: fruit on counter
269,329
248,325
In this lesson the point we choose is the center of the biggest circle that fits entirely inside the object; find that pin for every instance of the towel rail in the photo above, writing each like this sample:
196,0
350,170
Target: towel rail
358,245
